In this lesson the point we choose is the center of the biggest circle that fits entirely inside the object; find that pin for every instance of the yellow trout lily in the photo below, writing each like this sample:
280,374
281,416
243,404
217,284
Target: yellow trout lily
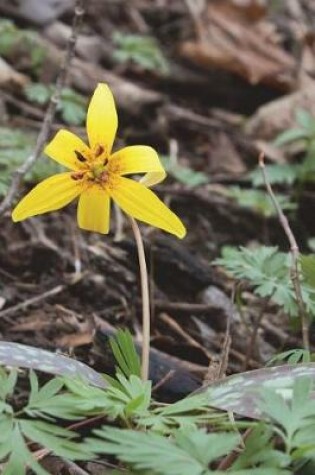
96,175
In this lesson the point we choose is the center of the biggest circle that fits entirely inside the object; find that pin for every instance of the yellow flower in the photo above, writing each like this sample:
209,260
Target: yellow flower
97,175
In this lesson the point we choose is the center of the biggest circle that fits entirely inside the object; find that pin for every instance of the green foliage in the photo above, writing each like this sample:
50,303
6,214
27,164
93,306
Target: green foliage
259,201
15,147
294,356
184,175
285,174
72,106
294,417
162,439
308,269
124,398
125,353
186,453
185,414
18,428
268,271
140,49
259,451
304,131
12,37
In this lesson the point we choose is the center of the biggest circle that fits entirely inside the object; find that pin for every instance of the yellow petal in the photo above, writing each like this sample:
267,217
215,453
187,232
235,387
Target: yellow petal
141,203
49,195
68,150
102,118
94,210
139,159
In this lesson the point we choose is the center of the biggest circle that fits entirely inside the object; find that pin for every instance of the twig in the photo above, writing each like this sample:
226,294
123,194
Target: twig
20,172
145,301
164,380
180,331
74,468
27,303
232,456
295,276
253,336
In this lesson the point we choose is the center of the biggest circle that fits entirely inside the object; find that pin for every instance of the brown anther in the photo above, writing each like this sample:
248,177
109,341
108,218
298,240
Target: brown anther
77,176
105,161
79,156
98,150
104,176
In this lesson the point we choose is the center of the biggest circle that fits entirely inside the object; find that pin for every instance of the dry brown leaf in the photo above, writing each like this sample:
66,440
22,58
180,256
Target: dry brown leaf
279,115
233,41
9,77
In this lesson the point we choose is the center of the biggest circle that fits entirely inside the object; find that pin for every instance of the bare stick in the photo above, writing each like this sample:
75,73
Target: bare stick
20,172
295,253
7,312
145,301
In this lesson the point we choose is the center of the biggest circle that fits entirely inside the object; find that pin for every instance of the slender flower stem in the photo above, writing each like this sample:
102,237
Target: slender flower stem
145,301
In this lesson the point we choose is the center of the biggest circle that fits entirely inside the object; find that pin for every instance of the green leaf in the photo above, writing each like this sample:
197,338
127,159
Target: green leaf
284,174
125,353
184,175
259,201
294,356
7,383
38,92
260,452
184,414
291,135
293,412
308,269
20,456
305,120
55,438
140,49
13,38
188,453
73,107
266,269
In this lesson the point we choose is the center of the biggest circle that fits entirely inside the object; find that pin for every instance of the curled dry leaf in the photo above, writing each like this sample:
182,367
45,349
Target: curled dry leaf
233,37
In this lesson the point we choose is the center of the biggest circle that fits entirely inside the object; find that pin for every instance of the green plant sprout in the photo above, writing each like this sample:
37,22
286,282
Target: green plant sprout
304,136
11,36
72,105
259,201
140,49
15,145
268,272
185,175
154,438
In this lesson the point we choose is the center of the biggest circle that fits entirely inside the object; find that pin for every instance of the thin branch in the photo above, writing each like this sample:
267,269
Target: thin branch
295,254
232,456
20,172
145,301
8,312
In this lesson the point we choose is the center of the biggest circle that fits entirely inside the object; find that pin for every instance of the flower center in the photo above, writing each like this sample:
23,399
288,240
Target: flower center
96,166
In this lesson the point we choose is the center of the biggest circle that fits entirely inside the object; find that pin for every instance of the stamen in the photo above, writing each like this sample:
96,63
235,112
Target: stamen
80,157
98,150
77,176
105,161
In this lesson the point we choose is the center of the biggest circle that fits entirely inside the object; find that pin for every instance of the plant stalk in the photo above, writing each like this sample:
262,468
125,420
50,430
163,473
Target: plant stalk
145,301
